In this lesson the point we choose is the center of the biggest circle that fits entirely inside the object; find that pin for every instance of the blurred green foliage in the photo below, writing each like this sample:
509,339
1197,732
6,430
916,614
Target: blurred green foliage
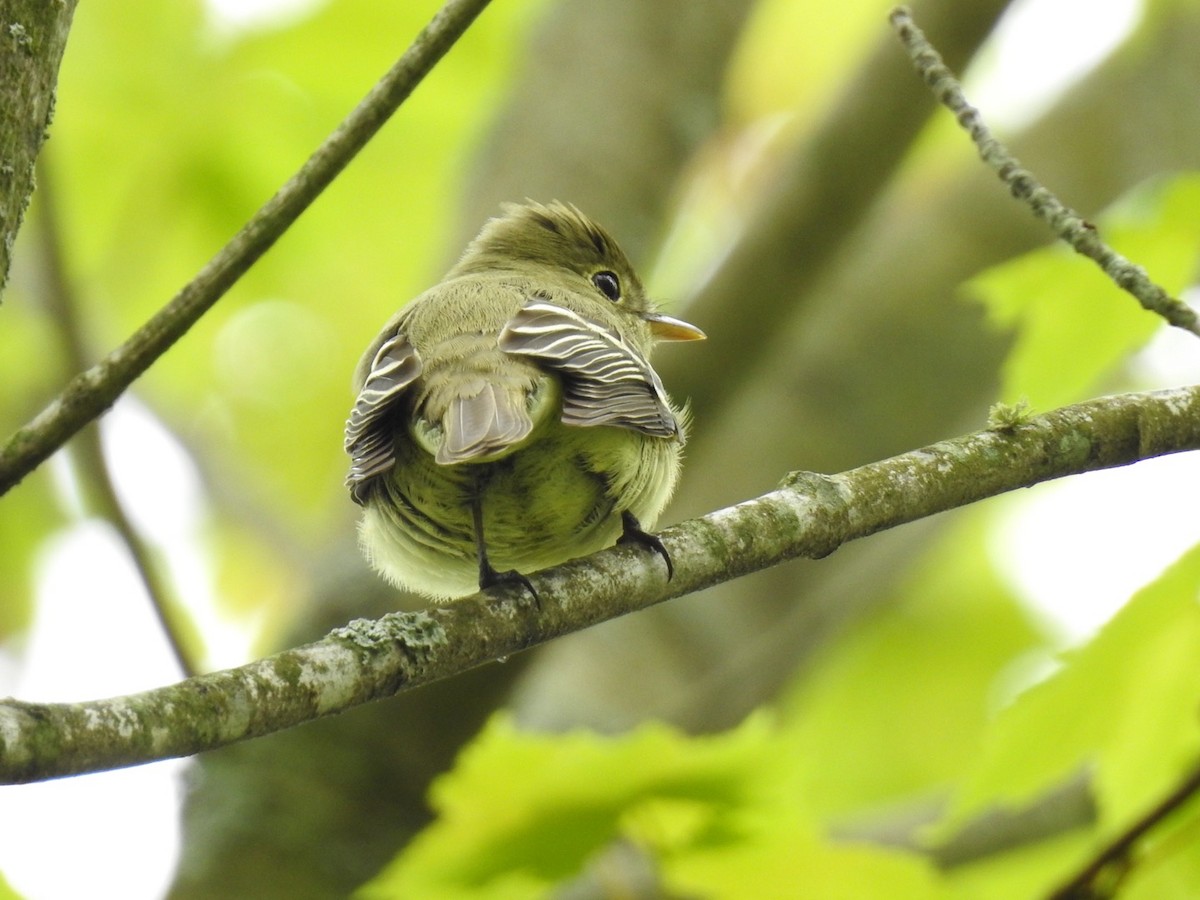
1074,327
1123,705
523,813
171,130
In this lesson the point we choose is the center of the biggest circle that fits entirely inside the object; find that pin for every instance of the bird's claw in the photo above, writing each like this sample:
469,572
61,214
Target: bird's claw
632,533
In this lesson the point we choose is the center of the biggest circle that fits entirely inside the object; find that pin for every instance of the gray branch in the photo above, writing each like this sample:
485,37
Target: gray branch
810,515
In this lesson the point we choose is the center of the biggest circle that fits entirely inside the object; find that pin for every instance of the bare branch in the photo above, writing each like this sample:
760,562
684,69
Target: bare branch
1066,223
810,515
1113,860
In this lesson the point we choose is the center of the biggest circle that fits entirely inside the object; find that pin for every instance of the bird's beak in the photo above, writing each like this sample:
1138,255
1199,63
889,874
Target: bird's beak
668,328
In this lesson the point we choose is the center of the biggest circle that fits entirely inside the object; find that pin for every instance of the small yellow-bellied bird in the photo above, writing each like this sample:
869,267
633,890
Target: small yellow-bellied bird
508,419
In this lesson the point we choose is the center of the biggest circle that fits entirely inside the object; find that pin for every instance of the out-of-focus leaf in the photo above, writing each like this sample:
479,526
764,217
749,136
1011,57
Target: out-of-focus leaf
790,861
1073,325
1027,871
30,516
539,805
1168,862
773,96
522,813
919,677
1123,705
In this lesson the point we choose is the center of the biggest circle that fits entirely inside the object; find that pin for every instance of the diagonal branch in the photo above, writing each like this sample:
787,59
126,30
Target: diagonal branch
1065,222
1114,859
91,392
810,515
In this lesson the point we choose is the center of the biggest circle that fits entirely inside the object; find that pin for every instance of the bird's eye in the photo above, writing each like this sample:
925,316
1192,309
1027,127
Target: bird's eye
608,284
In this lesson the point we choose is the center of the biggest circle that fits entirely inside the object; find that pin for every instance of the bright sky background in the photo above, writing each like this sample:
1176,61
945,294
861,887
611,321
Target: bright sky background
1073,542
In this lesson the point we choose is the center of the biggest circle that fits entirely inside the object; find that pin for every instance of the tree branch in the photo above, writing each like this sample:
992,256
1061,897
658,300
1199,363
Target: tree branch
1115,858
1066,223
90,393
33,35
810,515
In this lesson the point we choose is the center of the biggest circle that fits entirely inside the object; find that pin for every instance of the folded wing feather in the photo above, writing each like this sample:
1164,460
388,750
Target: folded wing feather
605,380
368,433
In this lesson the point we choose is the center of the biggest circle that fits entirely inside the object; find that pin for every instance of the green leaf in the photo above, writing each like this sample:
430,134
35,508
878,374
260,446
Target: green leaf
919,676
1073,325
790,862
535,807
522,813
1026,871
1168,861
1123,705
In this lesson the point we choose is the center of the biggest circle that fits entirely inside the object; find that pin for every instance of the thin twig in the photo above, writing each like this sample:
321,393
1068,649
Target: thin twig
87,450
92,392
809,516
1116,856
1065,222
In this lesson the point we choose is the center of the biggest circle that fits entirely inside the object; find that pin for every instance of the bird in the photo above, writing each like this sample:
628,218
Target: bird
508,418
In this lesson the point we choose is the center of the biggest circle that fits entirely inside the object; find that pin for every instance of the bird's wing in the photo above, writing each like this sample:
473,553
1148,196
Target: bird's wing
368,433
488,419
605,380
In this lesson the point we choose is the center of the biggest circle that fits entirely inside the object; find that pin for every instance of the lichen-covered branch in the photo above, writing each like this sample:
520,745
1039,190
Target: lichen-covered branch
33,35
1065,222
809,515
90,393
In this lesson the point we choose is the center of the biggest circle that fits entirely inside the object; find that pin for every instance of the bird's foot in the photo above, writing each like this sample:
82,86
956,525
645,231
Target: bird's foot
489,577
632,533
